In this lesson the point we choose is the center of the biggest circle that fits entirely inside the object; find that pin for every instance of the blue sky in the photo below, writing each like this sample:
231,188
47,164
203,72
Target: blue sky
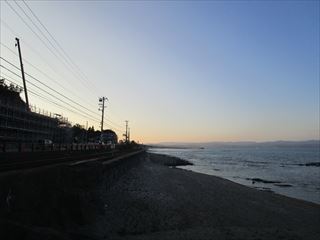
185,71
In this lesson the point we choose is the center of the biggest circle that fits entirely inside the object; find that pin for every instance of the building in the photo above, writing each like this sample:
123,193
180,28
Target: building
18,123
109,137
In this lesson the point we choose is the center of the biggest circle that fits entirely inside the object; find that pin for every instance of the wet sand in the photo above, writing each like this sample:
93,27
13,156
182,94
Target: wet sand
151,199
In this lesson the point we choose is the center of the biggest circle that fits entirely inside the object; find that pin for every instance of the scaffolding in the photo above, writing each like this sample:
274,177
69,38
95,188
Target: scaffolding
21,124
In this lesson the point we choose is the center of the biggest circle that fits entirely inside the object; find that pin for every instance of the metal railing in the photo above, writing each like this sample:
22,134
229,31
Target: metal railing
7,146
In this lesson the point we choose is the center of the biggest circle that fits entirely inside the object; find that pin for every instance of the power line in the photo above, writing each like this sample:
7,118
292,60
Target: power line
108,120
54,39
54,90
44,35
68,61
33,92
50,94
80,112
43,73
15,34
14,81
35,25
49,87
43,42
65,56
21,18
54,70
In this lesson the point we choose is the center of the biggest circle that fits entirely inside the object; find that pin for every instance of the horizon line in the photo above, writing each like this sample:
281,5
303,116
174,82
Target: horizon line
244,141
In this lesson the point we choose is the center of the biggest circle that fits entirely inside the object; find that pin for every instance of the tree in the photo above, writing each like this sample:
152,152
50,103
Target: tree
78,133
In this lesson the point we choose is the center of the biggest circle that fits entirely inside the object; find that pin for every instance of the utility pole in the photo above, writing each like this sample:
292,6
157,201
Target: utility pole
101,108
22,73
86,131
129,135
126,135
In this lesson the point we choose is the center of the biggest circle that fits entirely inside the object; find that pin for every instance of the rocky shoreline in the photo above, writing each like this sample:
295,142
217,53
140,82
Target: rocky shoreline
145,197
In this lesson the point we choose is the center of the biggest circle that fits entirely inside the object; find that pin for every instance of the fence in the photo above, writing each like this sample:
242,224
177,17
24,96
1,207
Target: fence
6,146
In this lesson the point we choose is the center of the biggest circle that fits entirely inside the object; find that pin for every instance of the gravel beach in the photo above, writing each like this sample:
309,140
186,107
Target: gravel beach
151,199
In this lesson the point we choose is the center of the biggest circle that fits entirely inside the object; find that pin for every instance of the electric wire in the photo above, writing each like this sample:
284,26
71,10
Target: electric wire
43,73
44,35
80,112
30,28
33,50
13,65
53,38
14,34
46,45
35,25
70,61
33,92
84,114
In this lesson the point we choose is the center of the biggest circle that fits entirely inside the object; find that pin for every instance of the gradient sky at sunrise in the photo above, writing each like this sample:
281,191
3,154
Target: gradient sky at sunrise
180,71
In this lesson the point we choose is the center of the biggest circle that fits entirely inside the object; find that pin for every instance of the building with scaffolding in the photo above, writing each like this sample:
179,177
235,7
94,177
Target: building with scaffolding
21,123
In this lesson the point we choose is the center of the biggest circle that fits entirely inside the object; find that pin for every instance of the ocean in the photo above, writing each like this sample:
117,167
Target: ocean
292,171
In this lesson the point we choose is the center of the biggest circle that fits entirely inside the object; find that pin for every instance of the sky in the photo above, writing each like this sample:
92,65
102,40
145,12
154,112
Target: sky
182,71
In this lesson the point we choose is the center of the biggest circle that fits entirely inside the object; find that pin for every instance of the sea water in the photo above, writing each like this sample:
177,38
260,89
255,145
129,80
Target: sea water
281,169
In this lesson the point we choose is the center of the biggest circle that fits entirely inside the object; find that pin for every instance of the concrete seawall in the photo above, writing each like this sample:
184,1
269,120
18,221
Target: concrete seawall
63,198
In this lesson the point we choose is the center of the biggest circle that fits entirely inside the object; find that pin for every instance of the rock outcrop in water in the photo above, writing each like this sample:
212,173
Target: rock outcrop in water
311,164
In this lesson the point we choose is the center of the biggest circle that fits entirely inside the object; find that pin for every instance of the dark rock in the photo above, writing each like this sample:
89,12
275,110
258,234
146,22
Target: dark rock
283,185
254,180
